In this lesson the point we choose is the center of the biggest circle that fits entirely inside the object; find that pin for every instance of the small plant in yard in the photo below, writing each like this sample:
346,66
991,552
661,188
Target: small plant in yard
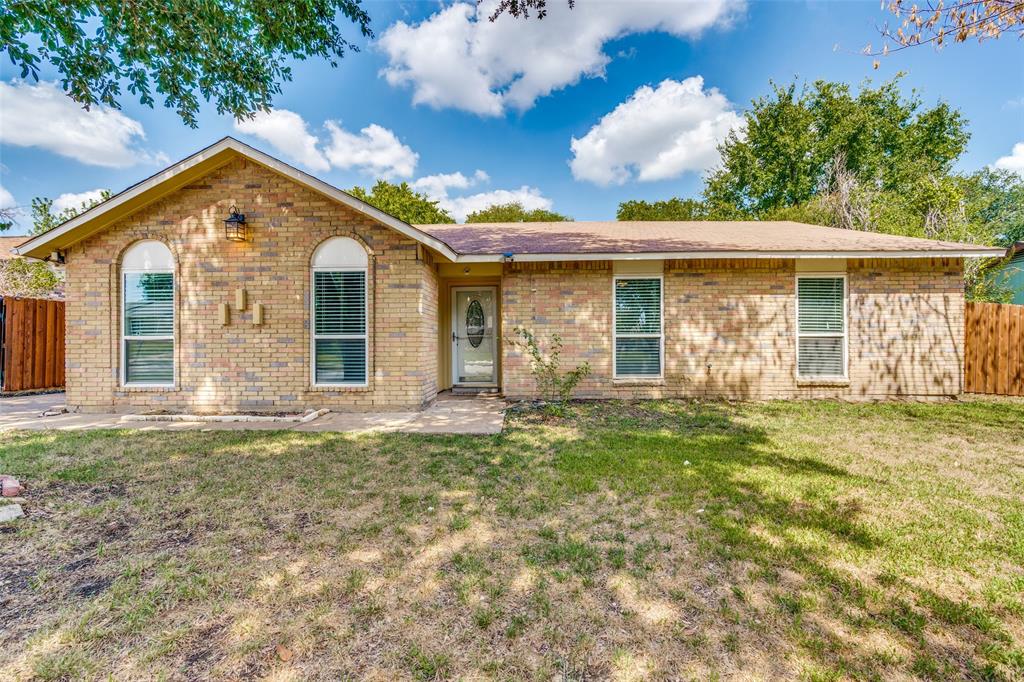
552,385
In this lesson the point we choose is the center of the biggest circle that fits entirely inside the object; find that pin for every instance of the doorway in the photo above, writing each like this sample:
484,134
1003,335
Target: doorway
474,336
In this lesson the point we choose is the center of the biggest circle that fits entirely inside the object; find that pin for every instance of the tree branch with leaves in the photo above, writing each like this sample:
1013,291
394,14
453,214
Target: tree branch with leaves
938,23
233,53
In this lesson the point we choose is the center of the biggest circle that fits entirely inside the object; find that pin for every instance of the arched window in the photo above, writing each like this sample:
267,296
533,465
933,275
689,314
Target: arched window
340,341
147,315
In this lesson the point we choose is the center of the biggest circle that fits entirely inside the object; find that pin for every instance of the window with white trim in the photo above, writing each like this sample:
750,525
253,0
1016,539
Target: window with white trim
147,315
821,327
339,339
637,327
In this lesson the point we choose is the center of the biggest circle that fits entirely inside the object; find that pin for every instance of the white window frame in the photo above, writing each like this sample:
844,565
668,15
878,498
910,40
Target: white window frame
313,336
660,335
846,327
126,338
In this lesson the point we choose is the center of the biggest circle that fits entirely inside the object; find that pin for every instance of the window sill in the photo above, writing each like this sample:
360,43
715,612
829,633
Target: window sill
147,389
341,388
659,381
838,382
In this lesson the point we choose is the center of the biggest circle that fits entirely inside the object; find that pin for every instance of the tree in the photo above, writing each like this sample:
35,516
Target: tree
523,8
514,212
794,141
8,214
233,53
404,203
44,219
996,198
670,209
27,277
956,20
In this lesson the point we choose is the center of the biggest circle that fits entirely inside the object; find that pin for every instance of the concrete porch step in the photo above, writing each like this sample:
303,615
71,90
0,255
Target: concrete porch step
473,390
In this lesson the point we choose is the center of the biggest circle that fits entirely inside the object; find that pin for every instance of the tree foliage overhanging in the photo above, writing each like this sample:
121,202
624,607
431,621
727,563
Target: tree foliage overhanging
233,53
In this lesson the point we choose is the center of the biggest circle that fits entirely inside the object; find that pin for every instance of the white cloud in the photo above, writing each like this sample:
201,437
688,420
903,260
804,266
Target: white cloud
458,58
6,198
288,133
43,116
656,134
437,188
1014,162
375,150
530,197
75,200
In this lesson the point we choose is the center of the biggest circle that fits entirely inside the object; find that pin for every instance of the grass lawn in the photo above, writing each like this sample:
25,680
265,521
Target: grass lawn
614,541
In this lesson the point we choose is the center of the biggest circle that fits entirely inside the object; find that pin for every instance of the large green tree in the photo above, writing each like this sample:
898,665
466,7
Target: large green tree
234,53
514,212
403,202
802,142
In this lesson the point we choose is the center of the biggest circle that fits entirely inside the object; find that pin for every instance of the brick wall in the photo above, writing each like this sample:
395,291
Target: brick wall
730,326
244,366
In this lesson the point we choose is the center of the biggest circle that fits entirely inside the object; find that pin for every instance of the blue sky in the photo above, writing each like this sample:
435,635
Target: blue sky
500,123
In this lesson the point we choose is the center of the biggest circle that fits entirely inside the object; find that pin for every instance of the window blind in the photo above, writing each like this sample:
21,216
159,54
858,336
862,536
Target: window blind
821,329
148,331
339,325
638,327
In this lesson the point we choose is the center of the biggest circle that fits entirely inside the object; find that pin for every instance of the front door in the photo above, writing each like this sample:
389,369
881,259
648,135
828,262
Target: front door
474,342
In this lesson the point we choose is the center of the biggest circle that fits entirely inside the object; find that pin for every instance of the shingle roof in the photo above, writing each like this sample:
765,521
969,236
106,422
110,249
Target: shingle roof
719,237
8,243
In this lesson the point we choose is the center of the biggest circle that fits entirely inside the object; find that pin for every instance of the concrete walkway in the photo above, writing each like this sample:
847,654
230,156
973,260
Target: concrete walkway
477,415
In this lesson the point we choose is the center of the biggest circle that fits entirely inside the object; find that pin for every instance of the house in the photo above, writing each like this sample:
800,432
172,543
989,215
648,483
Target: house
1009,272
309,297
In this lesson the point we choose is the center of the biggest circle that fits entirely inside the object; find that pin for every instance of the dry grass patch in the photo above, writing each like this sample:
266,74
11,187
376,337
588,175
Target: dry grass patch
610,541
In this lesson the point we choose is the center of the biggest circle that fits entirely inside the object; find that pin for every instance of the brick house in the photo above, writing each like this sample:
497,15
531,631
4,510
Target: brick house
320,300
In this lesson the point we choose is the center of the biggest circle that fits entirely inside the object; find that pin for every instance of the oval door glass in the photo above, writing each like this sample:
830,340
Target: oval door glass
475,323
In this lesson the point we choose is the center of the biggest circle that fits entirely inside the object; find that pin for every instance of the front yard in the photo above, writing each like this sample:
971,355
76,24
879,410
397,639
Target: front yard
622,541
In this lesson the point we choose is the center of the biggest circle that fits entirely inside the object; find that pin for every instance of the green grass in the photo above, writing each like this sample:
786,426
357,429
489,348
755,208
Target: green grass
611,540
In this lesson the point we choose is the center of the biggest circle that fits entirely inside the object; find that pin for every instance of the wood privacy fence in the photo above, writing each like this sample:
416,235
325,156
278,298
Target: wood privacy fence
994,348
31,344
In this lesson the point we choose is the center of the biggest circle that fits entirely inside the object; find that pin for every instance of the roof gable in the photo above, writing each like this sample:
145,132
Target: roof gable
187,170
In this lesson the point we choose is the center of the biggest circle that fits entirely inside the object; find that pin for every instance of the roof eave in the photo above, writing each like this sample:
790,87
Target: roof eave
980,252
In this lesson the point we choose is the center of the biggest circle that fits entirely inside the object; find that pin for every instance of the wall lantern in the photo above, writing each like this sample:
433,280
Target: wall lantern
235,228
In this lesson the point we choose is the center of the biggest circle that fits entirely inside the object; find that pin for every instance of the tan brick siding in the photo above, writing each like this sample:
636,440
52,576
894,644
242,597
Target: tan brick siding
730,328
729,324
244,366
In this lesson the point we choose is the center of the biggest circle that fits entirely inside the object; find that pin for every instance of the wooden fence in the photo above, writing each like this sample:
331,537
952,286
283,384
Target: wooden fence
994,349
31,344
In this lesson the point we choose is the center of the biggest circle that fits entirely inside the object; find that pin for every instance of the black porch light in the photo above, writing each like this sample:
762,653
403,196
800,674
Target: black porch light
235,227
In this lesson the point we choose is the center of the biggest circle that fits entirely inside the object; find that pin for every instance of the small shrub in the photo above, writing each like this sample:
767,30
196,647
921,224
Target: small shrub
552,384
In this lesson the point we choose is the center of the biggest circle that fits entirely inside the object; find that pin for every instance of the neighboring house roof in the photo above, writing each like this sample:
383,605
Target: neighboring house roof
483,242
7,245
686,239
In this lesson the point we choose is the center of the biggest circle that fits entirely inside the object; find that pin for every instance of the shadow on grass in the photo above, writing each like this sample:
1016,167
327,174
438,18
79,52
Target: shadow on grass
654,539
772,510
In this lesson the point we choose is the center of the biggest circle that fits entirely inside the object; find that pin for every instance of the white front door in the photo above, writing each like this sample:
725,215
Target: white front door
474,342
